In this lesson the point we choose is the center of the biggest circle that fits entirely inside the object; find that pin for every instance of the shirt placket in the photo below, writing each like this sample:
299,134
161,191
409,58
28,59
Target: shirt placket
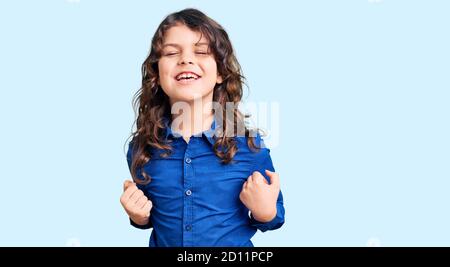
188,216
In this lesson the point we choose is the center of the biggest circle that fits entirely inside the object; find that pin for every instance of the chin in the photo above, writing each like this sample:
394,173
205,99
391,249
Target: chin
190,94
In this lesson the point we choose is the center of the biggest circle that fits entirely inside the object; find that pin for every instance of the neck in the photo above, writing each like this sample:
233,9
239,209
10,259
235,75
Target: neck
192,118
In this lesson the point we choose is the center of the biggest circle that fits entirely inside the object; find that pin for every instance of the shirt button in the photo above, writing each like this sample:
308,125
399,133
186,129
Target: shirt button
188,192
188,227
188,160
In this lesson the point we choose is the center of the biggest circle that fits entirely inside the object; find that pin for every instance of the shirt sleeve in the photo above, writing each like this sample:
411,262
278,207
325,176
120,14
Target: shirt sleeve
141,187
264,162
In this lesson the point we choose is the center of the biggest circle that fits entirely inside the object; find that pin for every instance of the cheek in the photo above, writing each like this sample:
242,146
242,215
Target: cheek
164,72
212,70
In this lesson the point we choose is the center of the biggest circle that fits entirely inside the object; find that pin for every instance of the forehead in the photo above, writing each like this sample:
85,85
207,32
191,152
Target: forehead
181,35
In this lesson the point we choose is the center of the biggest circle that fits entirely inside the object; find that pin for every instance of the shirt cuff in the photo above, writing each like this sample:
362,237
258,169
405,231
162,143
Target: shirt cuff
146,226
275,223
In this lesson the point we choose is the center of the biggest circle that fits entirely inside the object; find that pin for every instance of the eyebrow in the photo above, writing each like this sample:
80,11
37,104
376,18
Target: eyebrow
177,45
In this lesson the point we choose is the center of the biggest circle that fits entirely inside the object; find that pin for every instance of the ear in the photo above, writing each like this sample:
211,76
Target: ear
219,79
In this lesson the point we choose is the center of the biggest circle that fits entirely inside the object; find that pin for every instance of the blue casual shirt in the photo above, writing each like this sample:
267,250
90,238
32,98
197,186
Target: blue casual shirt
196,197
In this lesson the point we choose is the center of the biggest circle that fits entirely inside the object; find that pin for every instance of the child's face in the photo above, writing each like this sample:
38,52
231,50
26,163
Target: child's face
183,53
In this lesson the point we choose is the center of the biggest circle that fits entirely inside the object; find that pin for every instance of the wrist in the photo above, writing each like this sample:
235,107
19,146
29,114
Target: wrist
140,221
266,216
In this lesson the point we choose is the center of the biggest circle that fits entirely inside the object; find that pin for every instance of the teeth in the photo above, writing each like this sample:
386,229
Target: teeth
187,76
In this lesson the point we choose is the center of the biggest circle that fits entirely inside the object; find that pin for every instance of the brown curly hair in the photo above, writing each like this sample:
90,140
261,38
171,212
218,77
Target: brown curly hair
152,105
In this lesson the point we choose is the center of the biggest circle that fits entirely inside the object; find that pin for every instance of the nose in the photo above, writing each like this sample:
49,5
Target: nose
185,59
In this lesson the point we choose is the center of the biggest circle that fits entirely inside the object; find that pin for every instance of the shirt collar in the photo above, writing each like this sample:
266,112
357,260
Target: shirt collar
209,134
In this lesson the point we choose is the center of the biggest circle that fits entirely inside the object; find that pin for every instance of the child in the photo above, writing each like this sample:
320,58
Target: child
208,188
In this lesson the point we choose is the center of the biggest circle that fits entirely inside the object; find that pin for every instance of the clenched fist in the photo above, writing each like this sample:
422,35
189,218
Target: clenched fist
135,203
260,197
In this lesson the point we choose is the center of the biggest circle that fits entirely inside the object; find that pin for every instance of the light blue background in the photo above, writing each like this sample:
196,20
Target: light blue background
363,87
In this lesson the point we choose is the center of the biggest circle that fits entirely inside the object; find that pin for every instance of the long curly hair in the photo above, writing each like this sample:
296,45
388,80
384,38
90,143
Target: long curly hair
152,105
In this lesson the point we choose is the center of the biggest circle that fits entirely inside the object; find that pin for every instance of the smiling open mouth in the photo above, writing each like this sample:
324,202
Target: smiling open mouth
187,76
